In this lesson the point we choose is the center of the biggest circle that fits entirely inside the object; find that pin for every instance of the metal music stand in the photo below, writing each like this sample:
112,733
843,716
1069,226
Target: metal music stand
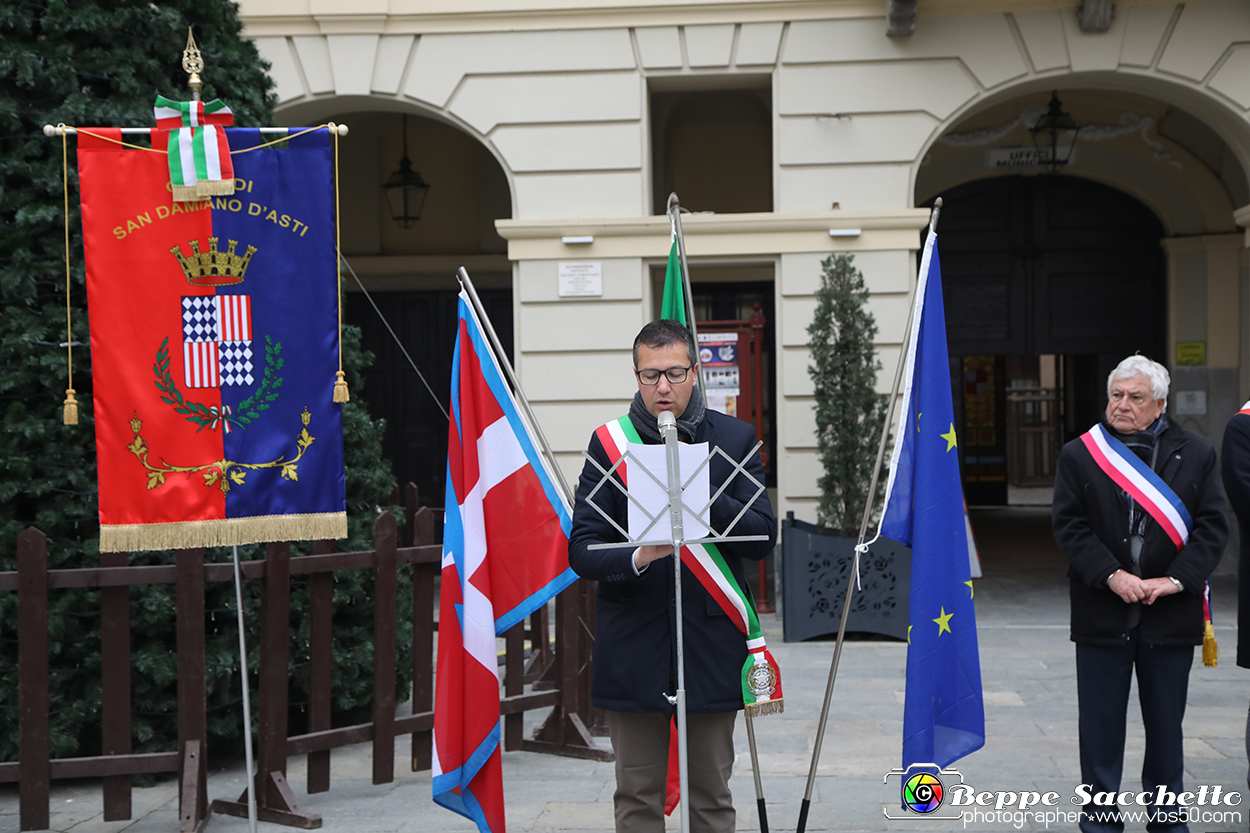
675,507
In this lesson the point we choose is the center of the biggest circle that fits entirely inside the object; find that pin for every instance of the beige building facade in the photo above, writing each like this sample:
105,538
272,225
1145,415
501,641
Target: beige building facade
552,131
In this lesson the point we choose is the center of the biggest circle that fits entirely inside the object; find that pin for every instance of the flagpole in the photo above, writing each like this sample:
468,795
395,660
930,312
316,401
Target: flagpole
674,210
853,578
247,700
484,320
193,64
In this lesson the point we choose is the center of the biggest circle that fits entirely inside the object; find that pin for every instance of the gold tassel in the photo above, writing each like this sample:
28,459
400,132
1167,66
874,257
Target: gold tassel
767,707
185,193
214,188
1210,650
222,533
341,394
70,411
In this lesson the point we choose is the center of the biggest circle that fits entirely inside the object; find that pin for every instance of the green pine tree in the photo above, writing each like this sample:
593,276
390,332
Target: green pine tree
102,62
848,409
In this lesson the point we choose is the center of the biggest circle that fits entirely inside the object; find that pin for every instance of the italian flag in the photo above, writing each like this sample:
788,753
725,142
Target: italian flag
673,302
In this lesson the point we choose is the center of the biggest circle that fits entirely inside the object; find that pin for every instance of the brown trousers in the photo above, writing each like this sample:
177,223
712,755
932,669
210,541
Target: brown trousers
641,745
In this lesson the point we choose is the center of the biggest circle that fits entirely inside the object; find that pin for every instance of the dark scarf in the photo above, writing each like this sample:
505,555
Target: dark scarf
687,424
1145,444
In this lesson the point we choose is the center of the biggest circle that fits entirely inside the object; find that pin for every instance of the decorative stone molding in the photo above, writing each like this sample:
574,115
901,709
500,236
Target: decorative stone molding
1129,123
736,235
1242,218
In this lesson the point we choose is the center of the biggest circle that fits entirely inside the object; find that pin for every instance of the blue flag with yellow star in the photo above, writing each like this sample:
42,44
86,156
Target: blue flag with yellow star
943,718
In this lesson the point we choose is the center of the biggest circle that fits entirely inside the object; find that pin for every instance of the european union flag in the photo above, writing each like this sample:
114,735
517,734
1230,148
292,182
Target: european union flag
943,718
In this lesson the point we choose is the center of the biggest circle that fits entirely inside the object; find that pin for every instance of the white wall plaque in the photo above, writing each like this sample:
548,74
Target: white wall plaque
581,278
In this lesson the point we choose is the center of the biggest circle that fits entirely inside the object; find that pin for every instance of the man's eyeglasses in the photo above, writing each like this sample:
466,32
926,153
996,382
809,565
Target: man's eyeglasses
675,375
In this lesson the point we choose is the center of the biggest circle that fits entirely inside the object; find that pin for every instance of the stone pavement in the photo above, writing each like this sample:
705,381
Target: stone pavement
1030,709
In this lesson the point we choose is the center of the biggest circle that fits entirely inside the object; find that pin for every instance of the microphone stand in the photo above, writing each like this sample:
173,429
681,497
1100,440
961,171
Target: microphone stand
668,430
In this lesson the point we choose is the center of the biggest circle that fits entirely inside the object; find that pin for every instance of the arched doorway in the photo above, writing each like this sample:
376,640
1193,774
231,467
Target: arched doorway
408,269
1049,282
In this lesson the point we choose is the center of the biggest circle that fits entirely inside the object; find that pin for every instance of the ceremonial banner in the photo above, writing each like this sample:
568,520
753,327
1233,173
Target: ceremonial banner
214,341
943,712
505,553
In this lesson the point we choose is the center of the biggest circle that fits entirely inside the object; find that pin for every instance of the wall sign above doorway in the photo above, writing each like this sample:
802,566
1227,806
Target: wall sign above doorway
1021,157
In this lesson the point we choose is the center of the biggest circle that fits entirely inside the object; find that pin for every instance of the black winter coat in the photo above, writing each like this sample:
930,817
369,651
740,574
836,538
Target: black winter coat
1235,460
635,641
1090,515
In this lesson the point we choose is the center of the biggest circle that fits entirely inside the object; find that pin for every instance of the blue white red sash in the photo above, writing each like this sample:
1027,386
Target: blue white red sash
1145,487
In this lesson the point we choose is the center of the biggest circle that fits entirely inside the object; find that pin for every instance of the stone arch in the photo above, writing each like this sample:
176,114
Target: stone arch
1199,193
410,272
1184,193
320,109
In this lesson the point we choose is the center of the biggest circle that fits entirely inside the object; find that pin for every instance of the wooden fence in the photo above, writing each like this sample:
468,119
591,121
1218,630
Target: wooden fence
560,675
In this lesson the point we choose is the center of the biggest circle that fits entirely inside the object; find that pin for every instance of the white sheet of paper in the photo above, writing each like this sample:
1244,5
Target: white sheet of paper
654,496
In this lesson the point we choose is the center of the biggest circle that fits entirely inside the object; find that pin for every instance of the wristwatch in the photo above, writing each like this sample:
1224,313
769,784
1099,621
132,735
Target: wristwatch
1180,588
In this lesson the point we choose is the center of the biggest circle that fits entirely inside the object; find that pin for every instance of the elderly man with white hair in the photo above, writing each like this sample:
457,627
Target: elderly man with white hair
1139,511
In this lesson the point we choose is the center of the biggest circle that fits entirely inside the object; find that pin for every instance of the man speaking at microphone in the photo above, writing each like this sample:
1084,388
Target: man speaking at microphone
635,640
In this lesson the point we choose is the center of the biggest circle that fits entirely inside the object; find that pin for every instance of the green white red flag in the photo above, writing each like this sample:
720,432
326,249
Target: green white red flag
673,302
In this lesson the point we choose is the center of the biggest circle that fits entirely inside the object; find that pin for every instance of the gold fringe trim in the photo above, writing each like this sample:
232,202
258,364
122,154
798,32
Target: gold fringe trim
223,532
69,414
341,394
184,193
1210,650
766,708
214,187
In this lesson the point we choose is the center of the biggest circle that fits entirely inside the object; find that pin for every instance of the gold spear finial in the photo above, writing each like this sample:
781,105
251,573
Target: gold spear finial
193,64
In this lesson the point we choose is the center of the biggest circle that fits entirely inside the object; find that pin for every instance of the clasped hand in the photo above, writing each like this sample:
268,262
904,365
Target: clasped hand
1132,589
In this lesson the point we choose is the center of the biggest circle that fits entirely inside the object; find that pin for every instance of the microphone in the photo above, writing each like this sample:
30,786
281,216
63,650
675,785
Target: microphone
667,422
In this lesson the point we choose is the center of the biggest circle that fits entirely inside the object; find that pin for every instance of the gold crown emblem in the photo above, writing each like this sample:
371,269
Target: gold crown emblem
213,268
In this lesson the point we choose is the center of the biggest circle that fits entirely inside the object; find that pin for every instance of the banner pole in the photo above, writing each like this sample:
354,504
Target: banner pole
247,700
674,210
465,281
755,771
853,578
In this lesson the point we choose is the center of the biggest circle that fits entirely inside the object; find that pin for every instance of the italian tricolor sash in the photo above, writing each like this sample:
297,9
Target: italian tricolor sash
1136,478
198,152
761,677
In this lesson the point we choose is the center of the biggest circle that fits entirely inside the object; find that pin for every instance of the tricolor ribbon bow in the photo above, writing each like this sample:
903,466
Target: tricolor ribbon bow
221,415
199,157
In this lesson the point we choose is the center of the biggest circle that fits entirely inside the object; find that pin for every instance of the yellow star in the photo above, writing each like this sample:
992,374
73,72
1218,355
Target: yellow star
909,634
944,622
950,438
971,591
918,416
